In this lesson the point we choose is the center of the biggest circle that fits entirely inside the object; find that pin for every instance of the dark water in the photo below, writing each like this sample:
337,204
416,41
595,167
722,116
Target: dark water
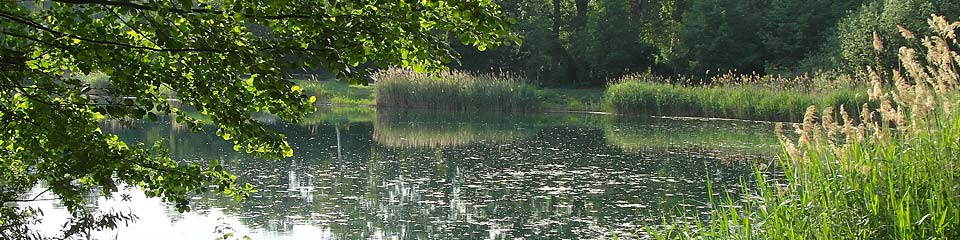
357,174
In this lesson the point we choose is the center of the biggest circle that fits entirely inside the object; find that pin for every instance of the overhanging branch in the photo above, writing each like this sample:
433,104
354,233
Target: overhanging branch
179,10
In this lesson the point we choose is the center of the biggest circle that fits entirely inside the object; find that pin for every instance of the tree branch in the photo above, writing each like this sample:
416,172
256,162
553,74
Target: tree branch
131,46
120,44
188,11
35,198
37,40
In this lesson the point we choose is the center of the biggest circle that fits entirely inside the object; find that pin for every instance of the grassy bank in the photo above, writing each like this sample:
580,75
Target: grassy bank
454,91
459,91
894,175
742,102
338,92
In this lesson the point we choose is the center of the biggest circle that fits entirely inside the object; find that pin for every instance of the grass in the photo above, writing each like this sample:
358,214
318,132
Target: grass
455,91
893,175
740,102
338,92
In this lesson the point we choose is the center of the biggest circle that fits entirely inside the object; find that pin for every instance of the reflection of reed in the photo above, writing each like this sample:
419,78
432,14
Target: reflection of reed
441,135
442,130
296,185
728,142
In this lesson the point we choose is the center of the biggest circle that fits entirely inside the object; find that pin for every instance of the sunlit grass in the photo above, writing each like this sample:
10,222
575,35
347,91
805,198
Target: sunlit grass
338,92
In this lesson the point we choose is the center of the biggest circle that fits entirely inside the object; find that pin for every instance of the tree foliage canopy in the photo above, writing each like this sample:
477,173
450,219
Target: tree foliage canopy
224,58
588,42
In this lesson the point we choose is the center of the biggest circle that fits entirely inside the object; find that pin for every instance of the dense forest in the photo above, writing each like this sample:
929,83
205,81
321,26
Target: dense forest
581,43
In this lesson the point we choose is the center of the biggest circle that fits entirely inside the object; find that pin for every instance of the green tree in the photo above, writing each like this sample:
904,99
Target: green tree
612,44
793,30
222,58
855,31
720,36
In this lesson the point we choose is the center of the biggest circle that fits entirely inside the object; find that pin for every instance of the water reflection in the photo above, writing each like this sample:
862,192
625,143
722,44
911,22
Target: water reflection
419,129
413,175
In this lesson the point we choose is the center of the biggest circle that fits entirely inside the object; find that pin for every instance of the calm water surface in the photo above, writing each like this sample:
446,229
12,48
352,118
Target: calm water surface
358,174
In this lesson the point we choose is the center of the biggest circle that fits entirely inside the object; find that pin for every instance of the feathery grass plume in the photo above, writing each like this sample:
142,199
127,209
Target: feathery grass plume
808,134
944,28
888,114
866,122
848,127
866,115
942,58
829,126
778,129
906,33
904,91
877,43
793,152
877,89
915,70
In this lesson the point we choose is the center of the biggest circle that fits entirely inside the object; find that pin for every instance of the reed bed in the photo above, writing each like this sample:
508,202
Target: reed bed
753,102
453,90
895,174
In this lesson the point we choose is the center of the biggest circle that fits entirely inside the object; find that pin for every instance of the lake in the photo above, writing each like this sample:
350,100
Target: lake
365,174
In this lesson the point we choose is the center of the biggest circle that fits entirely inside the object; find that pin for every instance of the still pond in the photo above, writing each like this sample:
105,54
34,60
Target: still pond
365,174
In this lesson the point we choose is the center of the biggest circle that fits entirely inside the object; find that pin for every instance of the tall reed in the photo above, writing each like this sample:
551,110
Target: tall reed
893,175
453,90
742,102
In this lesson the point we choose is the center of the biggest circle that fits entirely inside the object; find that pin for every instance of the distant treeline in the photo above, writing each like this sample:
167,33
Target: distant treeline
587,42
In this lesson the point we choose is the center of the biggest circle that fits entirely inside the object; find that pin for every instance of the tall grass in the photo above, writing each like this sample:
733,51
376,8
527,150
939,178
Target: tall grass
453,90
893,175
631,96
